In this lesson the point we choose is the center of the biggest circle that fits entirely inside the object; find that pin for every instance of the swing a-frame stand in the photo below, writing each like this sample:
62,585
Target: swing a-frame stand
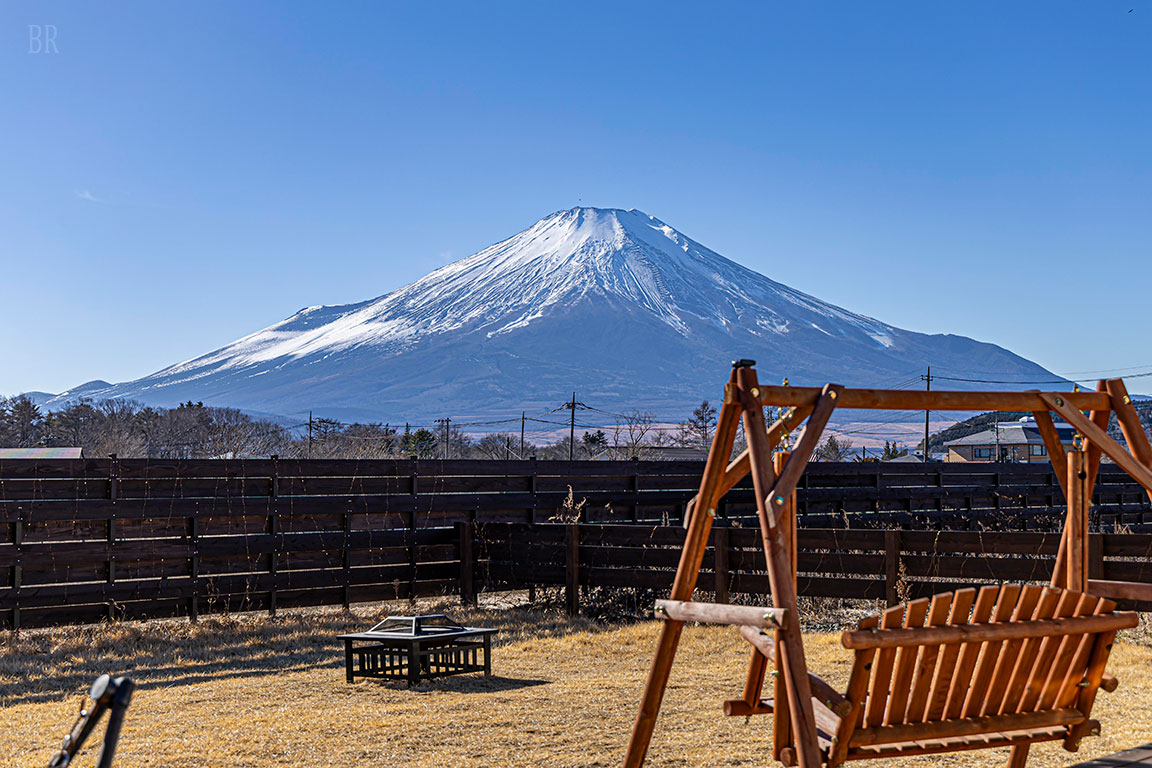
1004,665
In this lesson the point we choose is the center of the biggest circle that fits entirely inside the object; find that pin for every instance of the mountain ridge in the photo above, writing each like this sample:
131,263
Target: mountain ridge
611,302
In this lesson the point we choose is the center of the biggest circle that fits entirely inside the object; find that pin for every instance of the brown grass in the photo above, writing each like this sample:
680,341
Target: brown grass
256,691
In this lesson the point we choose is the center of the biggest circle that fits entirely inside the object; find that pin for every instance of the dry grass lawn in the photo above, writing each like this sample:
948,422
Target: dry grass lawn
255,691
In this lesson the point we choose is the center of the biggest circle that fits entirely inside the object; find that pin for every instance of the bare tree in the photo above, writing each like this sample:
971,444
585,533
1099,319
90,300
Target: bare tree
500,445
630,437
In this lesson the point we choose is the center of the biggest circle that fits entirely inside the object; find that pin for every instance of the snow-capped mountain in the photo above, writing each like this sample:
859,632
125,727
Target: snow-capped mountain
613,304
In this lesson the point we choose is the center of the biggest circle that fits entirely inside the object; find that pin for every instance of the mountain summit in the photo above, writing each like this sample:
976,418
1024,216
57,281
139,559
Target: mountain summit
614,304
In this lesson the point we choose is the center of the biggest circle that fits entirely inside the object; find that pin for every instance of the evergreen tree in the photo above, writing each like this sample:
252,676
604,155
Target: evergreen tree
697,431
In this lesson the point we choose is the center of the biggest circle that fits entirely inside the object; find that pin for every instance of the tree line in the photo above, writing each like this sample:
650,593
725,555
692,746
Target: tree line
193,430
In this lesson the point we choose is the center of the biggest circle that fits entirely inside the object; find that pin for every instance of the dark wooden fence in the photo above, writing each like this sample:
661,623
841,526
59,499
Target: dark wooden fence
891,565
86,539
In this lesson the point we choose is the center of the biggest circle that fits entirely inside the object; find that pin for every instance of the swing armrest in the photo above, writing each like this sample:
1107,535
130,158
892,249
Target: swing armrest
822,691
718,613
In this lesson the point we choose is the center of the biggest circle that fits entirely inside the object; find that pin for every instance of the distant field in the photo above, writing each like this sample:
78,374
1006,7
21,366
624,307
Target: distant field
257,691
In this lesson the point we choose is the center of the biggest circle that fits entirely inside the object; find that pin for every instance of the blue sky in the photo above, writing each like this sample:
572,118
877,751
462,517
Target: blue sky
177,175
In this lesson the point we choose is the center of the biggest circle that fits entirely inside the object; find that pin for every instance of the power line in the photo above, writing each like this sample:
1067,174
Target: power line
1036,381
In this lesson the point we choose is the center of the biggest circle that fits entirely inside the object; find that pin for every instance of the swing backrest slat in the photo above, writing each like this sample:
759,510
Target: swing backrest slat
1014,672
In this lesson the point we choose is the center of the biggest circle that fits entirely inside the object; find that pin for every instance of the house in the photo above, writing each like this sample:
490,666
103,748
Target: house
1007,441
656,453
908,458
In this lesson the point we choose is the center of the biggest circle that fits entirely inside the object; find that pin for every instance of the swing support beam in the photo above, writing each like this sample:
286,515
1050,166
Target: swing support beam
775,476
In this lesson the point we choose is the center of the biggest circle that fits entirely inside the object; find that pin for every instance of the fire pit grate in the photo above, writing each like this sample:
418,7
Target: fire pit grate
415,648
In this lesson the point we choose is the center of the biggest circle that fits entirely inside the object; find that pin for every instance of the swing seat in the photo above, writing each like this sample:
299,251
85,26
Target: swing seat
971,669
1002,666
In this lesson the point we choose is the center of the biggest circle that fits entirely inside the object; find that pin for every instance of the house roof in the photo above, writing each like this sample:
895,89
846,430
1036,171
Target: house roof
1012,433
659,453
41,453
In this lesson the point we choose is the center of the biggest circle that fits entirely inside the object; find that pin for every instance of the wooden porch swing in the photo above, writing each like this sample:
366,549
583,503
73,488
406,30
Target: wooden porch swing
1004,665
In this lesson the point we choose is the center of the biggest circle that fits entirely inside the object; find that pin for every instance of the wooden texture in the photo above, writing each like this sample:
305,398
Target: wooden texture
935,400
687,572
822,691
783,737
980,632
1075,539
922,680
772,494
714,613
874,494
1059,674
968,726
572,569
1130,425
1063,404
1122,590
1053,446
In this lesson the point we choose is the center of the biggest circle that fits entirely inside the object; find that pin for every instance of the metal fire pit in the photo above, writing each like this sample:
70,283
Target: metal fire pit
415,648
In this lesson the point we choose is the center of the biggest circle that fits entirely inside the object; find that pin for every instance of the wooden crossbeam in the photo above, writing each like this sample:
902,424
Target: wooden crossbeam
934,400
739,467
786,483
1066,407
1121,590
1130,425
715,613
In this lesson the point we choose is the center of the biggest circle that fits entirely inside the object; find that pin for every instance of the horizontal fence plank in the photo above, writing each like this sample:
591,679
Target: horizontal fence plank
136,537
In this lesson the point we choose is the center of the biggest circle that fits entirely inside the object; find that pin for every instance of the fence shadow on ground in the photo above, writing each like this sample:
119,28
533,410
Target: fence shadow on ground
48,664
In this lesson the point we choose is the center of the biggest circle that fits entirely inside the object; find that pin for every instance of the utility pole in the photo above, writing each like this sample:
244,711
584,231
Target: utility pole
522,420
447,421
309,434
572,430
927,388
996,429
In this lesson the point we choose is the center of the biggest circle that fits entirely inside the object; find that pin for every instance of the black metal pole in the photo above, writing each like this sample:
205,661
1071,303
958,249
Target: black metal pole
118,707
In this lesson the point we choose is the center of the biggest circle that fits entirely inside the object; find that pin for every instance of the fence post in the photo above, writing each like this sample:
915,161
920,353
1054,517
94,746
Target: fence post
1096,556
194,564
113,494
346,559
635,495
17,541
891,566
464,534
720,558
273,530
572,568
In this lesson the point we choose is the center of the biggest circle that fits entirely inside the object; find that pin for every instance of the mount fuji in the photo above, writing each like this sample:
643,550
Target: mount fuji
613,304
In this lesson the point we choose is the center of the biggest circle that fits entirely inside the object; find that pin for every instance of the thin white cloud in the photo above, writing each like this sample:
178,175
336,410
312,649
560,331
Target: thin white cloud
85,194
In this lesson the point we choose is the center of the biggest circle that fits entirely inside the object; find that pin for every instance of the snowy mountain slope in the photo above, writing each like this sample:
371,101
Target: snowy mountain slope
614,304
